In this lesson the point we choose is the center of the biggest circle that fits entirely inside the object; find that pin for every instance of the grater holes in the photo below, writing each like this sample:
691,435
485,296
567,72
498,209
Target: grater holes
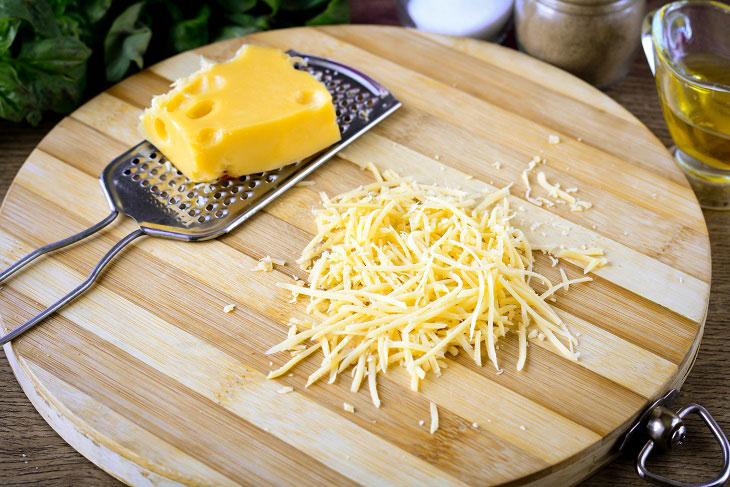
369,102
221,213
174,200
203,218
217,195
163,194
191,195
194,212
145,183
183,206
254,183
270,178
347,118
163,177
235,189
127,172
154,172
210,206
226,183
135,177
153,155
228,201
246,195
135,161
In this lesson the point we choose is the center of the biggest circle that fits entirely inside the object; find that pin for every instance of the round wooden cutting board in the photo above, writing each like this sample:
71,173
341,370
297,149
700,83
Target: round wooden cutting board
147,376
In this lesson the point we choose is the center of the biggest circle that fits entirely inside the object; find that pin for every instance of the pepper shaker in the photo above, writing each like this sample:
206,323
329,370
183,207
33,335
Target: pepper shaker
594,39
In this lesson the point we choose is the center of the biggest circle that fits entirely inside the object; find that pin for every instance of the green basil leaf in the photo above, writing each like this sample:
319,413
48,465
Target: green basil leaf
59,6
231,31
8,31
55,92
96,9
337,12
16,101
72,24
245,20
126,42
59,55
191,33
37,12
237,6
54,71
297,5
273,5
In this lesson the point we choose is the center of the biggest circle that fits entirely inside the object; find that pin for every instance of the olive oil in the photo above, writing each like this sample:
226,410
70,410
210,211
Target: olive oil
697,108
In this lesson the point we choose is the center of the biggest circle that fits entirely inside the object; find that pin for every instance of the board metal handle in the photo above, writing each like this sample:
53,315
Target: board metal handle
666,430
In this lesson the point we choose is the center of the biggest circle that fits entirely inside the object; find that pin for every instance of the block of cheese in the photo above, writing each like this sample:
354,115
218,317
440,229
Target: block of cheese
253,113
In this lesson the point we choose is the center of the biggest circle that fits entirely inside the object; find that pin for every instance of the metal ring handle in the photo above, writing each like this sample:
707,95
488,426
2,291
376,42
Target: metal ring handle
645,474
76,292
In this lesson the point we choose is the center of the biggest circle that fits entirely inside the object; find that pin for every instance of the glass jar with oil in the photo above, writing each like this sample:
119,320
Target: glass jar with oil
687,45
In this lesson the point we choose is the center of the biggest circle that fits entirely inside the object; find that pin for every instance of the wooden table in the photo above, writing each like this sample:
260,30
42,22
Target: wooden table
31,453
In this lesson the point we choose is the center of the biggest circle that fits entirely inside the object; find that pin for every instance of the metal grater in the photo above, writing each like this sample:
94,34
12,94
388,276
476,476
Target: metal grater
142,184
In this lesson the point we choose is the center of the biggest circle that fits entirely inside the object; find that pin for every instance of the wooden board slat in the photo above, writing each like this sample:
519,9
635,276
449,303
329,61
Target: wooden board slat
151,380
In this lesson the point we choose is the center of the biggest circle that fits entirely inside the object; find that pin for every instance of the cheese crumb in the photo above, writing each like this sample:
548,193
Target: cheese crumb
266,264
285,390
522,427
421,422
437,157
348,407
497,164
304,184
468,177
228,308
553,139
434,418
681,279
474,425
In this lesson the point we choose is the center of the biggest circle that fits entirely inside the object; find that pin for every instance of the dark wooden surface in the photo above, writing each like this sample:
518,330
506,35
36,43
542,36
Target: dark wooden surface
31,453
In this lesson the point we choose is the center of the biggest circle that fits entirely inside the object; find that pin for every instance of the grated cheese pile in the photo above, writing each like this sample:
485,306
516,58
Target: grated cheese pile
404,273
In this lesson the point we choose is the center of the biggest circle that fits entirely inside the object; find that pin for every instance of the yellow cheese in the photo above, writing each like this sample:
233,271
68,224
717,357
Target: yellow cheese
403,272
251,114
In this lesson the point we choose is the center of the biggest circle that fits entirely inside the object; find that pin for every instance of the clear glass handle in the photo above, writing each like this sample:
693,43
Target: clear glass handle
647,40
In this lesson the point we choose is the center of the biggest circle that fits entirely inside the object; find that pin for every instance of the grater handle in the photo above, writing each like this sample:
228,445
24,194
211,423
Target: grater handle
76,292
57,245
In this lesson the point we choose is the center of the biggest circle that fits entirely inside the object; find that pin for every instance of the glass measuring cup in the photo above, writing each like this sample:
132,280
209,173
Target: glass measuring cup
687,45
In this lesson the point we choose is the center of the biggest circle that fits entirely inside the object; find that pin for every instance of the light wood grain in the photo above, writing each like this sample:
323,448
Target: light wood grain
151,348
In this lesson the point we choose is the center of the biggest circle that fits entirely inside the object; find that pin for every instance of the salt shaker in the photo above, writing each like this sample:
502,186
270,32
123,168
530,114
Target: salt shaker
593,39
481,19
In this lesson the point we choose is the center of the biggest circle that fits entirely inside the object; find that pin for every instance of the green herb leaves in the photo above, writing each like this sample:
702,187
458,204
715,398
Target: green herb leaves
52,50
126,42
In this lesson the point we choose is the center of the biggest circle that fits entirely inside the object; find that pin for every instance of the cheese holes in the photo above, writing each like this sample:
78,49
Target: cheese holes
175,103
304,97
208,137
196,86
200,109
160,129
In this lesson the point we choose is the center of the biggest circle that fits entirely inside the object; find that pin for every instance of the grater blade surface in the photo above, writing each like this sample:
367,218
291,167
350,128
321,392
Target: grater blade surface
142,184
